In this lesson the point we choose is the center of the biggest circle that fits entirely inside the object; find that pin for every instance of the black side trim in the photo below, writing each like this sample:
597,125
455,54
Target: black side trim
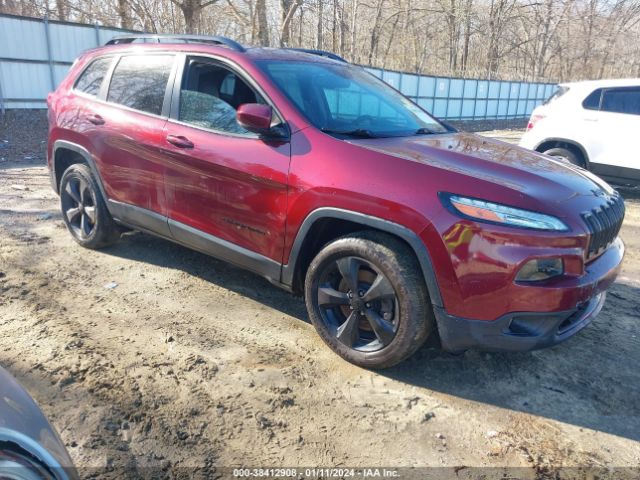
139,218
366,220
224,250
154,223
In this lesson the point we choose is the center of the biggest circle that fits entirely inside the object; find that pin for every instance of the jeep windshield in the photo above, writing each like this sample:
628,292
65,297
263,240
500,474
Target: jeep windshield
345,100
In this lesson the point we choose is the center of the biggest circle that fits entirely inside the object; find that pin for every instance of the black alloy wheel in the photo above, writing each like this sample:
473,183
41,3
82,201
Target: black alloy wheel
367,298
358,304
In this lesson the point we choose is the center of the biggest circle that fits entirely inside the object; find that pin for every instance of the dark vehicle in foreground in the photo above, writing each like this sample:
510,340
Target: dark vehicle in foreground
30,448
320,177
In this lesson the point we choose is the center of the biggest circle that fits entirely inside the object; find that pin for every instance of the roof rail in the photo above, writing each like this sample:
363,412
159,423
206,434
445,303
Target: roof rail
172,38
321,53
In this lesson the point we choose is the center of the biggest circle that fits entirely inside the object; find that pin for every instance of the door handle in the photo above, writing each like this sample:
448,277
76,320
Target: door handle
95,119
590,119
179,141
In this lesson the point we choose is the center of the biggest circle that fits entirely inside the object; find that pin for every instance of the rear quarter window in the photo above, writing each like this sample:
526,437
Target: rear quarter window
90,80
140,82
556,95
592,102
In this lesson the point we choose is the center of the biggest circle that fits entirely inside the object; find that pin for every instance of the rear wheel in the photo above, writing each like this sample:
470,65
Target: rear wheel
565,155
367,299
83,209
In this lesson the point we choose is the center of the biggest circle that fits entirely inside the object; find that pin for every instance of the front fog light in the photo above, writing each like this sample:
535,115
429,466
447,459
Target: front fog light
540,269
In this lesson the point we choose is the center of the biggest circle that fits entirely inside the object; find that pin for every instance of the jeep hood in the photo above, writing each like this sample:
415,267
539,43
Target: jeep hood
503,164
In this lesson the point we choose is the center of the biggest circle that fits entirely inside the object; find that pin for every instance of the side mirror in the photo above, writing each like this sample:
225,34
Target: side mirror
255,117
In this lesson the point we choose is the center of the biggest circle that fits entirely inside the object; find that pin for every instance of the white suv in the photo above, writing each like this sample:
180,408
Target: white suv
594,124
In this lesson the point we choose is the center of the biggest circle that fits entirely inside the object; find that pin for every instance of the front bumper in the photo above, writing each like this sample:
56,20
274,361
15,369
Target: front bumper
549,325
515,331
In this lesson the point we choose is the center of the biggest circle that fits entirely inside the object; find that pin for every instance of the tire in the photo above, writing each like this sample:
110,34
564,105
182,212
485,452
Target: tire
565,155
84,211
377,328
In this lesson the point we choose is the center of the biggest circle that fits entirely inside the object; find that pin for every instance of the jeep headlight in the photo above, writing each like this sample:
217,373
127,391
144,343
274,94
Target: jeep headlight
489,212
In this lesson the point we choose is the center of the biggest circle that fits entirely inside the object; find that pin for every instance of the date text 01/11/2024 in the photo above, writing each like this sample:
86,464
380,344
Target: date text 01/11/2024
315,473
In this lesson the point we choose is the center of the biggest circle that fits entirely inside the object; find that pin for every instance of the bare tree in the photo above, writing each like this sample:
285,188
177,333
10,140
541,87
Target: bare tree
288,8
124,12
62,9
374,36
191,9
511,39
261,22
319,31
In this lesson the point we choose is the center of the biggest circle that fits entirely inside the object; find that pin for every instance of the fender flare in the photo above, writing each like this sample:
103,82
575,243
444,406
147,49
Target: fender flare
409,236
84,153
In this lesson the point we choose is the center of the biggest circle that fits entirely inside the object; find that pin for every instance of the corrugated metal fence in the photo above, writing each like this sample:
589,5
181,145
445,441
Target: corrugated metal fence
36,54
469,98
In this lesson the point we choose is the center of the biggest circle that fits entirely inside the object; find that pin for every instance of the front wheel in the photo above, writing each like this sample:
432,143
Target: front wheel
367,299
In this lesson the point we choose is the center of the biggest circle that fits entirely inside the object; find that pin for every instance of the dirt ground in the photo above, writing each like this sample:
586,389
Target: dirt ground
148,357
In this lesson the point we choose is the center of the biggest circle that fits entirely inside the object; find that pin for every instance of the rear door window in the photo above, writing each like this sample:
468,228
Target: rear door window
91,79
140,82
621,100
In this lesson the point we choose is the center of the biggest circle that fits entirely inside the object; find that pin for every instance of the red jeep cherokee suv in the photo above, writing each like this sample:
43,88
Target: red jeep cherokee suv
320,177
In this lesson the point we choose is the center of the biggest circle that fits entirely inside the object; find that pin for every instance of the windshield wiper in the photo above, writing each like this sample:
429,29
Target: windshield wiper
423,131
358,132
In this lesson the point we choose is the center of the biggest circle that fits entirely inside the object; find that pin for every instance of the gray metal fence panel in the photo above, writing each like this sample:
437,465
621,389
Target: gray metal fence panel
468,98
35,55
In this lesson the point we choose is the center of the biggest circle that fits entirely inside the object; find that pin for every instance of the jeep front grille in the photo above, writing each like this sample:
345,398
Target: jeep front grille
604,224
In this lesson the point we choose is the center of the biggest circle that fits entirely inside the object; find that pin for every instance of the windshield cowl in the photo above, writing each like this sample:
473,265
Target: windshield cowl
359,132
